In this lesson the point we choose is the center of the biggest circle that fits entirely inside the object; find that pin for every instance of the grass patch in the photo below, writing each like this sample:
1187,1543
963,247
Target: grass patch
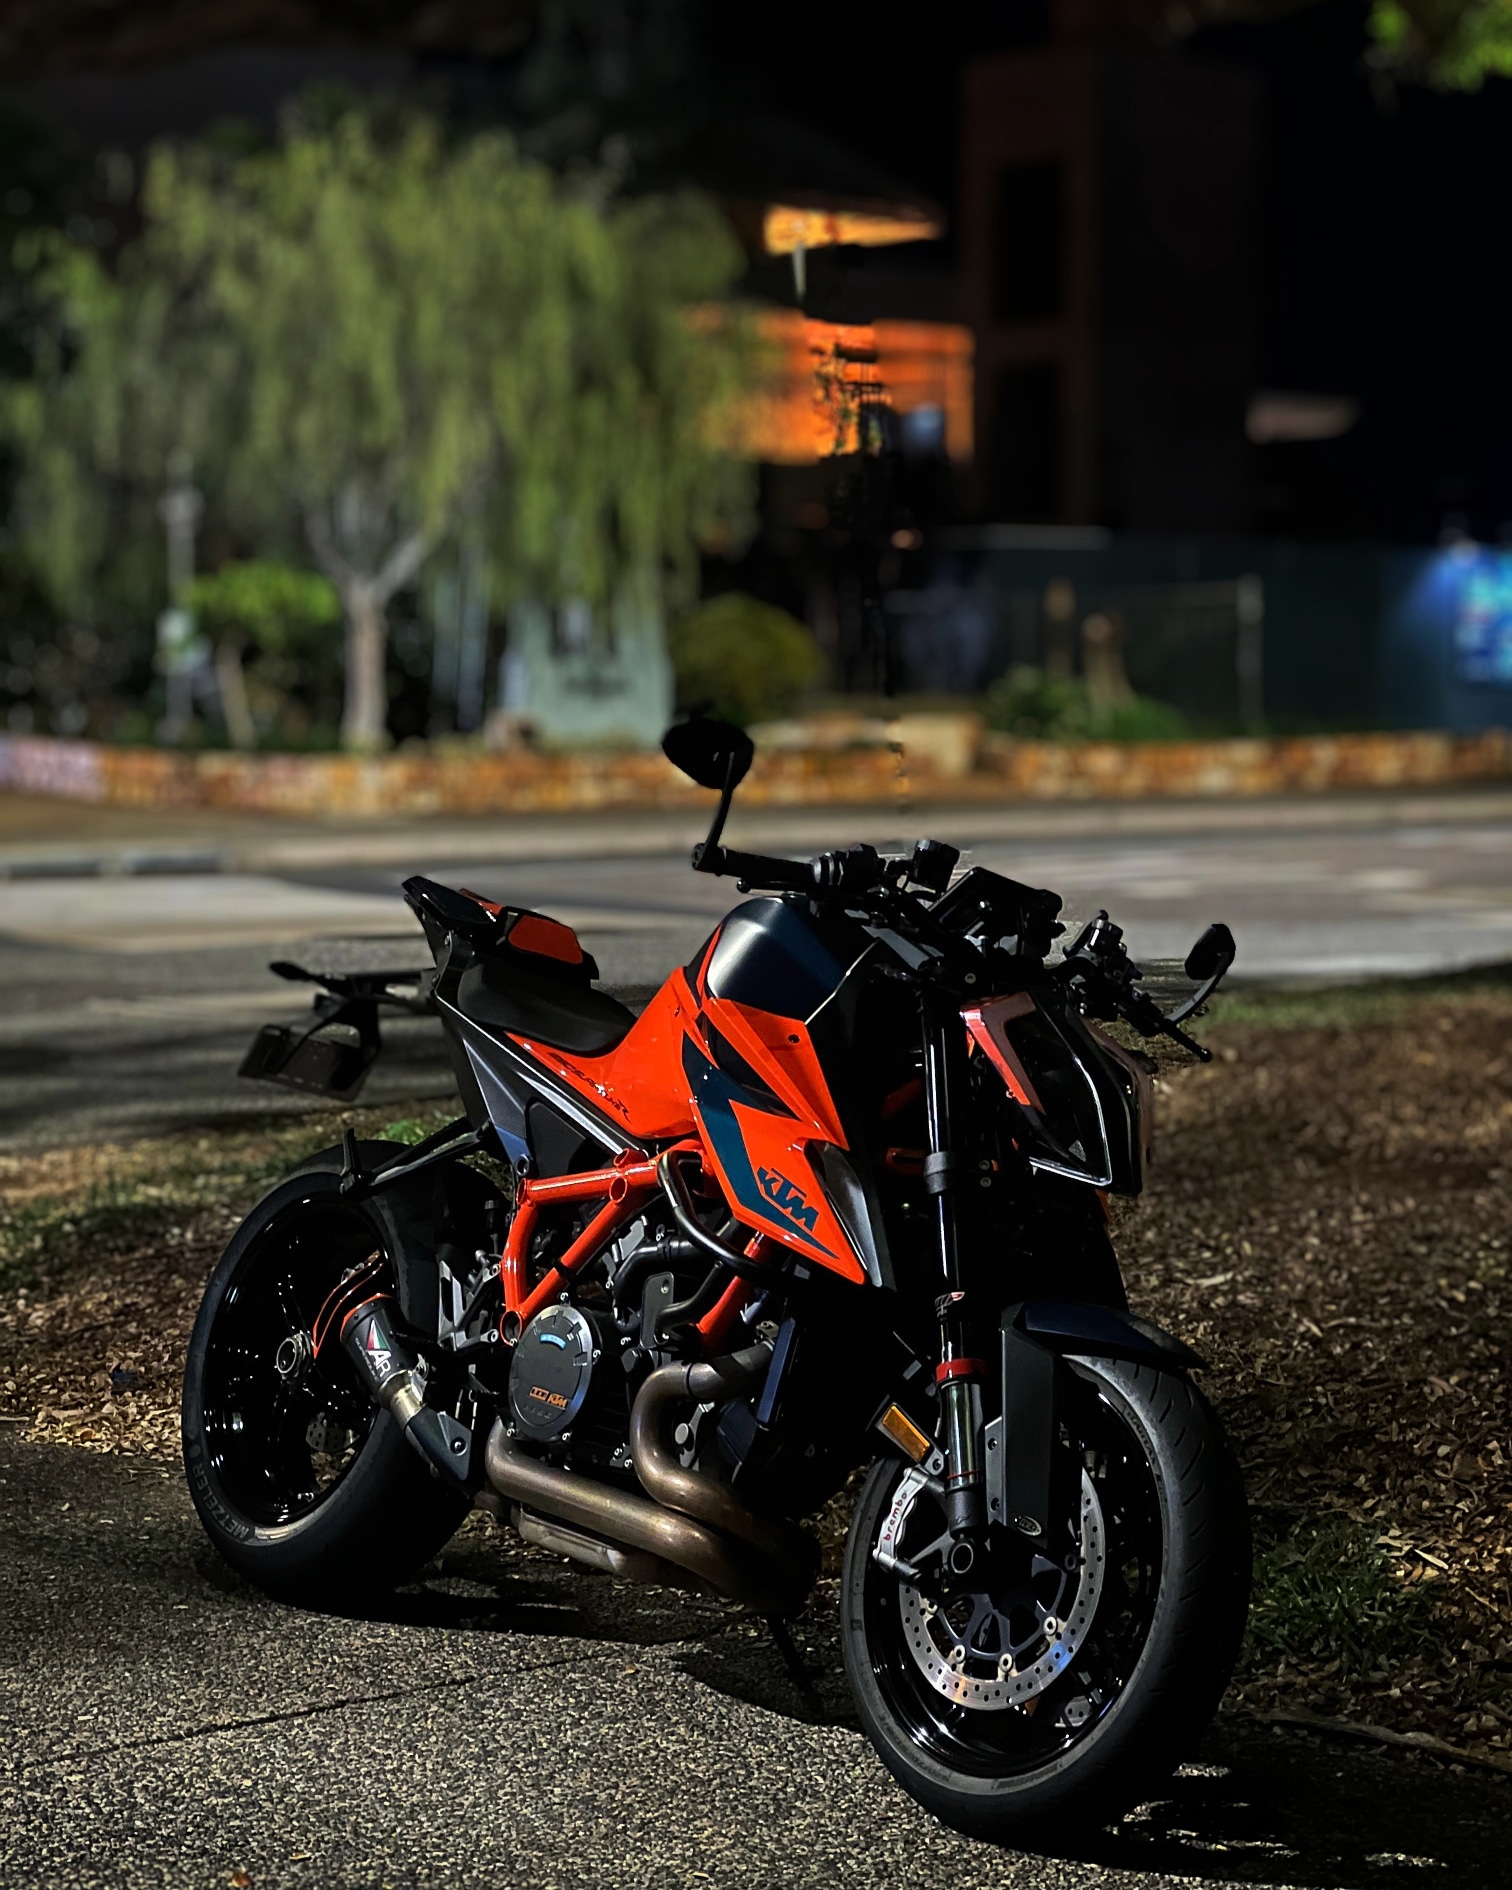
82,1206
413,1129
1327,1594
1352,1006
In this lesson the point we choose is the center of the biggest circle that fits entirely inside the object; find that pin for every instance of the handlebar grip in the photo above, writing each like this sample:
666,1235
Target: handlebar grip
757,869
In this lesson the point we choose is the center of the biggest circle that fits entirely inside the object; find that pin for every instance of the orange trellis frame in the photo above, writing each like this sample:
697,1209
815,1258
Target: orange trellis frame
624,1190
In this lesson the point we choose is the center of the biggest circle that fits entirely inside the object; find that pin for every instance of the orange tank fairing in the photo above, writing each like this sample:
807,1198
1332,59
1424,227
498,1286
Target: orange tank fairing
666,1079
640,1082
782,1053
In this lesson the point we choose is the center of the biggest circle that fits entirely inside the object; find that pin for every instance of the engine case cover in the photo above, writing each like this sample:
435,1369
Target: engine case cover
551,1373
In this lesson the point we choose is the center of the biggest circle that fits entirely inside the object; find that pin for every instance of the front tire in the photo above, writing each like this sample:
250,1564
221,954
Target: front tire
305,1486
1144,1627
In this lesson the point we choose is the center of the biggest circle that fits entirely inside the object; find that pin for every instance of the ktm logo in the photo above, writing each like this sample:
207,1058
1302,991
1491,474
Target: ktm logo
553,1398
788,1198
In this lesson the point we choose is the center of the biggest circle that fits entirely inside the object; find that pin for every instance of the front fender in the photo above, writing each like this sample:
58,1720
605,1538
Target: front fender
1031,1479
1099,1332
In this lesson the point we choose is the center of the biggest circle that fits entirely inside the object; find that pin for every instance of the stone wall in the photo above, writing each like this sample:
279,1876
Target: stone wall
314,786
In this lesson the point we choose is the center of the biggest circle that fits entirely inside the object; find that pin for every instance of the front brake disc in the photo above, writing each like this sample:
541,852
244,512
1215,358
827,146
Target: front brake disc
999,1647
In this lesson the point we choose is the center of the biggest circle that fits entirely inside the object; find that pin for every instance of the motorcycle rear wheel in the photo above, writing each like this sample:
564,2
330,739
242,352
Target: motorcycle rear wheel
1151,1631
304,1486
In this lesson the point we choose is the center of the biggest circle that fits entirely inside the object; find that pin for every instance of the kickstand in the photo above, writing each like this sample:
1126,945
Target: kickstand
791,1658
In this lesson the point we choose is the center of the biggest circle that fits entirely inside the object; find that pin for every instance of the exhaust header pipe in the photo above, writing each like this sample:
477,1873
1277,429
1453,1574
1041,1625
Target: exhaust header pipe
690,1521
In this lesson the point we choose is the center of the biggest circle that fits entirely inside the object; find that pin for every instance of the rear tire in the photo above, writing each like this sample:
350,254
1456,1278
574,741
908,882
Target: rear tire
305,1487
1151,1664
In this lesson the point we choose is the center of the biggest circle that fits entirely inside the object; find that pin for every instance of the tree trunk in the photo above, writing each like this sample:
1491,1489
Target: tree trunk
364,720
231,686
364,599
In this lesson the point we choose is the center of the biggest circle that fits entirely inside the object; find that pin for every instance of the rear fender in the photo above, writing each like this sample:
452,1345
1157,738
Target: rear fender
438,1214
1031,1479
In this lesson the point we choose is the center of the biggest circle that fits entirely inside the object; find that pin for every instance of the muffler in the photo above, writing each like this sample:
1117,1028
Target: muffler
390,1369
690,1521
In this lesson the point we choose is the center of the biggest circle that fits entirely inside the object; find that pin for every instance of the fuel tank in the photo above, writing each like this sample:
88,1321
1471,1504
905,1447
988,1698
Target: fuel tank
777,957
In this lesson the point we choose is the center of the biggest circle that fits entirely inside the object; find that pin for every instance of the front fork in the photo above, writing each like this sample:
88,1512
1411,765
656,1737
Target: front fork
959,1373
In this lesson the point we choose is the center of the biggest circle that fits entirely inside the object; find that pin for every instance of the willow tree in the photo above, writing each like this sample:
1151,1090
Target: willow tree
124,391
399,337
1451,45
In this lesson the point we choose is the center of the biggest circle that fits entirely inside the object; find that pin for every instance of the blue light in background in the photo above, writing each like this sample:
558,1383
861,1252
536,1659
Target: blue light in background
1444,648
1480,598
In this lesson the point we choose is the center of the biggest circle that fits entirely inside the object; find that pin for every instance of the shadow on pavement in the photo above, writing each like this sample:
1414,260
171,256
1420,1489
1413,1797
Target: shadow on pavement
1273,1807
486,1581
86,1600
1256,1805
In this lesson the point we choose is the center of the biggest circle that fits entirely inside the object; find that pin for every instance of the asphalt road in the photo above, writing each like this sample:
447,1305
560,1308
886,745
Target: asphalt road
511,1723
126,1002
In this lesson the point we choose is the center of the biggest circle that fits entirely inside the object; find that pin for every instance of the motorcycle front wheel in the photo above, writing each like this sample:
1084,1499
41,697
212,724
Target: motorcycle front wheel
1056,1680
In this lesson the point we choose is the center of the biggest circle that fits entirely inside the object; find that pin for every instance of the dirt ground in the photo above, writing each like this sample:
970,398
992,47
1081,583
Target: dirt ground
1326,1222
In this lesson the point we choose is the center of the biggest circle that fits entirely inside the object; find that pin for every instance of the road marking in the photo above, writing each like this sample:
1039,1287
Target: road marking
188,911
131,915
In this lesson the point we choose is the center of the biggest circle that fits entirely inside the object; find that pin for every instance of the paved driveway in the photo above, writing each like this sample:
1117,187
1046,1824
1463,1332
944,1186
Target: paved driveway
513,1724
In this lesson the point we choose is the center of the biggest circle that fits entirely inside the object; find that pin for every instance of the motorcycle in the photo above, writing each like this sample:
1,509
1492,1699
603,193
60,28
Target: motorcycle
831,1209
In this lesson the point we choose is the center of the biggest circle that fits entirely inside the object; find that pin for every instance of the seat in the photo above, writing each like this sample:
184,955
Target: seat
548,1009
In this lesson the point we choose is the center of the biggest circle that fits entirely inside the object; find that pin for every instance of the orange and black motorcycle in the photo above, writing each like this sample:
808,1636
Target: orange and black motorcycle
833,1203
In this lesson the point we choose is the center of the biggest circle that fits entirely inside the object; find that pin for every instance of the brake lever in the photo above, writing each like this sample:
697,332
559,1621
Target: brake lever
1151,1021
1200,1051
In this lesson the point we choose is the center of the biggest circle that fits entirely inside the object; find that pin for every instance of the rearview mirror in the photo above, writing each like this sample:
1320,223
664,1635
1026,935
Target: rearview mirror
714,754
1206,964
1211,955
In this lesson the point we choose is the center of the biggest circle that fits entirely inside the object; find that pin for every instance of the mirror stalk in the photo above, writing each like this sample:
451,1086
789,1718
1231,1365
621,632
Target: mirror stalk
708,854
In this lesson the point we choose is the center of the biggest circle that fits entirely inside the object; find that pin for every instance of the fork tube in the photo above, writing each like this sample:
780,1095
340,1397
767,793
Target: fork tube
944,1091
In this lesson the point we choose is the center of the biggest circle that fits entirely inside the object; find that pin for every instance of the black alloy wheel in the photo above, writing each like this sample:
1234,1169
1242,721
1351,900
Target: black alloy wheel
1058,1678
281,1426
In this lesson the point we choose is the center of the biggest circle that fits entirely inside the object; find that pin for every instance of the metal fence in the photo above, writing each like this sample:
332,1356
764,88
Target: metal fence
1199,646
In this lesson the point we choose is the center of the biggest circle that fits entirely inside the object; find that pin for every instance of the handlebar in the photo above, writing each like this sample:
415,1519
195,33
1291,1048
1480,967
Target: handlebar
849,870
1098,965
760,871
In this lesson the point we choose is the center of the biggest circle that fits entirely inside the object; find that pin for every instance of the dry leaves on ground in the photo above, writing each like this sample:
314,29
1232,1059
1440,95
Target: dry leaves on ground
104,1254
1327,1223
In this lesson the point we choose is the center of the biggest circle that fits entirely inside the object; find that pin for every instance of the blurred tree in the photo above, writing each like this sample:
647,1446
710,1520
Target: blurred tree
276,609
372,337
120,373
1454,45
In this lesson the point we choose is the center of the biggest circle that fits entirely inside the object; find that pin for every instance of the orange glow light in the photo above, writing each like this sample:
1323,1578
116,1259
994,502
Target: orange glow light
904,365
785,228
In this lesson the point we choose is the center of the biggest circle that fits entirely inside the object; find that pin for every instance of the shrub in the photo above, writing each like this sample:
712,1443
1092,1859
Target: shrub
746,660
276,607
1028,703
